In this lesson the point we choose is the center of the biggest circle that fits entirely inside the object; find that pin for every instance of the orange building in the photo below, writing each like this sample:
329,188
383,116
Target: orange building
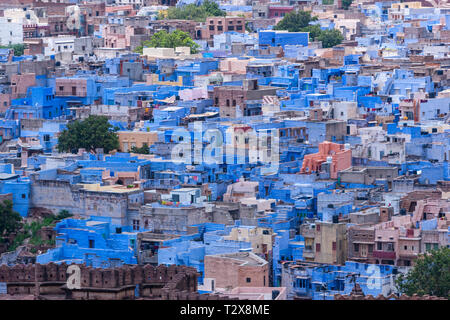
341,159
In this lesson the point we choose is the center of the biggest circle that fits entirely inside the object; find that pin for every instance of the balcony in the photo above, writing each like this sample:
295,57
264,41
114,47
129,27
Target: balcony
408,255
308,252
384,255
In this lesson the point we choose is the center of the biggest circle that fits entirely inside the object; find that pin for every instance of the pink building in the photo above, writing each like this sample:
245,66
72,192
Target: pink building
219,25
194,94
5,102
65,87
279,11
340,157
20,84
115,37
234,65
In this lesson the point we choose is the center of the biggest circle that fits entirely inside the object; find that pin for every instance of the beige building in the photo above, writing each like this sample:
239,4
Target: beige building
129,139
330,242
260,238
240,190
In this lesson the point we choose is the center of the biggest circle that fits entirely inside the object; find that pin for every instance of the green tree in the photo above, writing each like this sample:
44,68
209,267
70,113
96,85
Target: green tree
142,150
90,134
430,275
19,48
346,4
10,220
300,22
63,214
194,12
212,9
295,21
247,28
163,39
330,38
314,31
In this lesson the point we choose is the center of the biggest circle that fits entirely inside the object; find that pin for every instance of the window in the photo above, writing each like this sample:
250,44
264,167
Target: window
301,283
23,196
317,247
356,247
334,245
379,246
248,280
135,224
318,227
219,28
91,243
230,28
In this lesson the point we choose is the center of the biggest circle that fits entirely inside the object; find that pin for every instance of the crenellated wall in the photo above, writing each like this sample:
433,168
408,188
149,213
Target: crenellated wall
50,280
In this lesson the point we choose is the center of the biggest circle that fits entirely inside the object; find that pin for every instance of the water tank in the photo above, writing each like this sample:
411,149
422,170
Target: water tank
329,159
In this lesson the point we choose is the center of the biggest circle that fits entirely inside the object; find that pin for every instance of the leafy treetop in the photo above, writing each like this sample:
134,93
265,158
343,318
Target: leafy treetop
163,39
430,275
300,22
10,220
194,12
90,134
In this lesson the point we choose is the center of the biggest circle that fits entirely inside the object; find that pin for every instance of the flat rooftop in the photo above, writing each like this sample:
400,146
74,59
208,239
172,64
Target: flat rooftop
246,258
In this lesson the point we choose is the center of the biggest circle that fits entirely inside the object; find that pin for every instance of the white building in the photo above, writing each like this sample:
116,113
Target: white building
185,196
10,32
55,45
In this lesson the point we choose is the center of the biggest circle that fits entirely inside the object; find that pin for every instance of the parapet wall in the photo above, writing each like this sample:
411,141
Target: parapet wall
161,282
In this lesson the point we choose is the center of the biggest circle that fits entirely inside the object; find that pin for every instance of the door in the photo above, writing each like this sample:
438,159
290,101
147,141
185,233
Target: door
364,250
